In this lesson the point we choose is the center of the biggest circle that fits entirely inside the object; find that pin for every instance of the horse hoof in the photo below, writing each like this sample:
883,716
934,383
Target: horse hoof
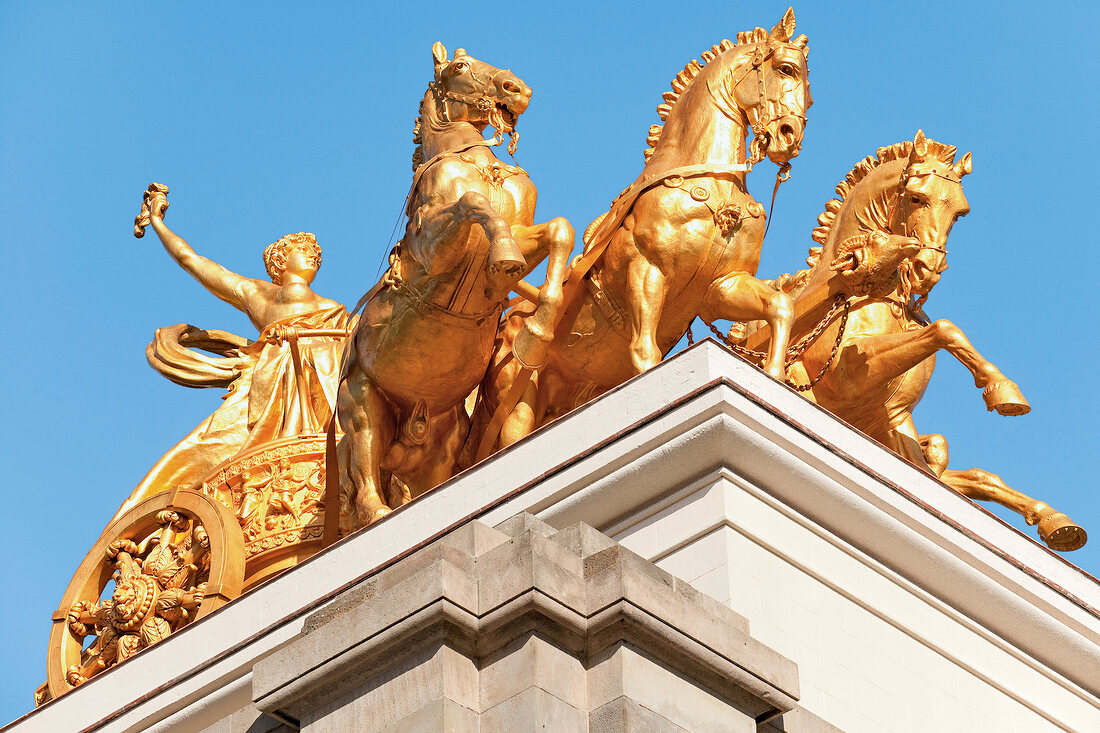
504,256
1059,532
529,349
1006,398
377,514
779,373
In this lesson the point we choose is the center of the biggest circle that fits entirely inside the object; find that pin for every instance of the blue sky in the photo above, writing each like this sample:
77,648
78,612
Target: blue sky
281,117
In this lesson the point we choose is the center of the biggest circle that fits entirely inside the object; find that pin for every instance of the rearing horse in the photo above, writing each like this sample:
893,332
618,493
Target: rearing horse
426,334
683,241
872,367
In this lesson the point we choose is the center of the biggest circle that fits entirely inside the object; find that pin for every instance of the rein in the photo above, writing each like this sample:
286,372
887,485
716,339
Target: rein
331,530
782,175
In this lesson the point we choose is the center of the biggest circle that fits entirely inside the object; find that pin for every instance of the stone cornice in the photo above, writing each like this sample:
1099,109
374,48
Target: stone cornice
700,412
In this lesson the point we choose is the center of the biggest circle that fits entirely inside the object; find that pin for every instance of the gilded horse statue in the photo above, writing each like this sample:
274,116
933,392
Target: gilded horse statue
426,334
871,364
682,242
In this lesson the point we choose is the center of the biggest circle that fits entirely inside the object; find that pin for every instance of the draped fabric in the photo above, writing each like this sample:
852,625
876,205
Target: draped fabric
263,402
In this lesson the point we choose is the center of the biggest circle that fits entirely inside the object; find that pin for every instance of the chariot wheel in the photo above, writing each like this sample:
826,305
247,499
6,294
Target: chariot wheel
173,558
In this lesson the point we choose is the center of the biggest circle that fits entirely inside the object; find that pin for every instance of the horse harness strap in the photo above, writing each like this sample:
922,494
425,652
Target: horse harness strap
331,530
624,202
450,152
782,175
494,175
483,103
620,207
572,299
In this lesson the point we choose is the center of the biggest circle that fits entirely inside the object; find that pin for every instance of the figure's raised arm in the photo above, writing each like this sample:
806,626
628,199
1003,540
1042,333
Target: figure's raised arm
237,290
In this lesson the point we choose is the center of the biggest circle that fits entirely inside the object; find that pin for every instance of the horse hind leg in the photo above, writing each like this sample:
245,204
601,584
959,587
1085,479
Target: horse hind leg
1057,530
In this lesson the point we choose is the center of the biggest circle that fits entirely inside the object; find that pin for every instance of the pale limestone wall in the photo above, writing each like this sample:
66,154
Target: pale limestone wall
523,628
874,652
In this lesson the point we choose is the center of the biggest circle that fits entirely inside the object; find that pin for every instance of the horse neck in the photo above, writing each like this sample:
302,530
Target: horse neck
704,125
437,134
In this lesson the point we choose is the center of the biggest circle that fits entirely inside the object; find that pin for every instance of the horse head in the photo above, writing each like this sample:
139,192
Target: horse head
759,83
930,201
887,232
774,90
472,91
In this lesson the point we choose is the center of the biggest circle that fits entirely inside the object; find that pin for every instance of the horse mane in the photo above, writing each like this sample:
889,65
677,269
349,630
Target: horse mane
877,214
418,140
684,78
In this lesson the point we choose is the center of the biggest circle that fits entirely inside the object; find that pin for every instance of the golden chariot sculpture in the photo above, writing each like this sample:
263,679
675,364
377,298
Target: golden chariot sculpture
331,422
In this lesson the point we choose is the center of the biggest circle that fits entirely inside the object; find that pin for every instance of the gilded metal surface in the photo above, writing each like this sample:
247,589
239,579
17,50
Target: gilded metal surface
276,491
172,558
884,247
279,386
243,496
427,330
664,255
260,455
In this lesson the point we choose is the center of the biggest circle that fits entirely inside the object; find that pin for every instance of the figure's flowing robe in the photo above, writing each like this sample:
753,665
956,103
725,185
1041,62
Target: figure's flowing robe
262,403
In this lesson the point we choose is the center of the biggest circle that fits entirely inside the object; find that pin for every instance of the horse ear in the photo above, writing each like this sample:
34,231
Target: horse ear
439,54
784,28
920,145
964,166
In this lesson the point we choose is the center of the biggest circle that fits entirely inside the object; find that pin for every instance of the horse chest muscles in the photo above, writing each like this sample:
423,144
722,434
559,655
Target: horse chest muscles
508,188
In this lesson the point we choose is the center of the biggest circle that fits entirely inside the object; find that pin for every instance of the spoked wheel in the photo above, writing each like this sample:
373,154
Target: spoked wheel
173,558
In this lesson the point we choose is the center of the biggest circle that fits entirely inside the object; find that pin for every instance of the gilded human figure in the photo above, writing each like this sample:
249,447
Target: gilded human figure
281,385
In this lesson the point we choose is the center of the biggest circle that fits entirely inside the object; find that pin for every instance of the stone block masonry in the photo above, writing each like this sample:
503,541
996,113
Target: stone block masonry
525,628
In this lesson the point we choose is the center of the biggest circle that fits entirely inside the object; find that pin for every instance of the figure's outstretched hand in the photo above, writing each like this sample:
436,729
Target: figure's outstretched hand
153,206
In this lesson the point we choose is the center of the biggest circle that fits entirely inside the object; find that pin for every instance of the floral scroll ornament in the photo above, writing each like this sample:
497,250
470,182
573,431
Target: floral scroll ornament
159,586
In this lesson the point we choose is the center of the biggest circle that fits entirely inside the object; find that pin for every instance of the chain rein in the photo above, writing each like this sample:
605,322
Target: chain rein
840,304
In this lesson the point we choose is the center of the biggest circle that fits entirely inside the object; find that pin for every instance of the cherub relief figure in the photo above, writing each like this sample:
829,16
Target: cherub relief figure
270,395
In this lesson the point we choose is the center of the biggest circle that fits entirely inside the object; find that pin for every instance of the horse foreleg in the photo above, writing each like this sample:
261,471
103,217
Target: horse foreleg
504,255
494,424
1055,528
553,239
869,362
369,427
645,302
450,223
1000,393
741,297
934,448
873,361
